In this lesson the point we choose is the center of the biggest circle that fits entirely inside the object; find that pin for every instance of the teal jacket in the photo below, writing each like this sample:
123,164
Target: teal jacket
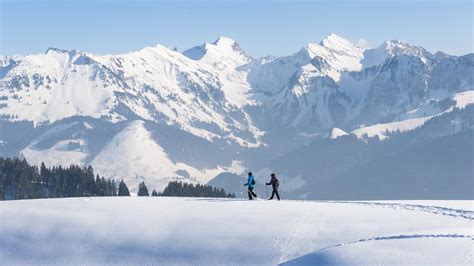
249,182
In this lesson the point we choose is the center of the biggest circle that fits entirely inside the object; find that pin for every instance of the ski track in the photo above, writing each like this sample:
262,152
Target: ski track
469,215
288,250
395,237
288,253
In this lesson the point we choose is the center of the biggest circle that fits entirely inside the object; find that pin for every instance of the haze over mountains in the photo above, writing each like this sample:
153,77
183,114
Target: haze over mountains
333,120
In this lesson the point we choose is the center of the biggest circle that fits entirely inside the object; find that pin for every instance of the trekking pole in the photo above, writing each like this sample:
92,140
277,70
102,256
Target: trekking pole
241,187
266,191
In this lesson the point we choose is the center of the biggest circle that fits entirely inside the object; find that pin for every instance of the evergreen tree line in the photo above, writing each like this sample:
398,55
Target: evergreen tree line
19,180
180,189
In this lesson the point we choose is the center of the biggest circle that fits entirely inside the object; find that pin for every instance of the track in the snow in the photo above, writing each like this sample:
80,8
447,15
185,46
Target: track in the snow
391,237
469,215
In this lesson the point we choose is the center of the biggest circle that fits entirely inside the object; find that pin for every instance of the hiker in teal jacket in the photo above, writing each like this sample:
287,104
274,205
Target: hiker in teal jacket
251,185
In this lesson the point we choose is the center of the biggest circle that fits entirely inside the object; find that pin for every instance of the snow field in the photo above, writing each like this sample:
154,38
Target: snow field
200,231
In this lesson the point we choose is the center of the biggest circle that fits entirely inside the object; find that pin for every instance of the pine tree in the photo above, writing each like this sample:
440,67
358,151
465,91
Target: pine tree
154,193
45,177
36,190
123,189
142,190
99,186
23,185
2,179
106,186
88,182
114,188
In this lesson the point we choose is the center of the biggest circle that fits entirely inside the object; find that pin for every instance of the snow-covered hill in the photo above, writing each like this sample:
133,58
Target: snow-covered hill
336,133
133,155
200,231
157,114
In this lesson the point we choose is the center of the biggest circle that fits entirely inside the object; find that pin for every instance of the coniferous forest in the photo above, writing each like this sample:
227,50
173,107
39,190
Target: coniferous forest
180,189
20,180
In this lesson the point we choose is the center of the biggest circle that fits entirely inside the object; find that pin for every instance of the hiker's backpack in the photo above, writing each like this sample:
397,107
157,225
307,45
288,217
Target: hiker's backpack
253,181
277,183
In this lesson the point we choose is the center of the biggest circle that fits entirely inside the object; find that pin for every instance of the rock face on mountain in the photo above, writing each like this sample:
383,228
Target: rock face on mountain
159,115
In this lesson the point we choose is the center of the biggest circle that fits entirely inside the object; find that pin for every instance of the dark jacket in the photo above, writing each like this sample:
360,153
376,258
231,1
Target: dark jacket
274,182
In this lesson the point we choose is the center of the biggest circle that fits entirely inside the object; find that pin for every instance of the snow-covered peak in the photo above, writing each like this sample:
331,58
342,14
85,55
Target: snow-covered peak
331,56
223,51
439,55
224,41
66,56
157,49
335,133
390,44
391,48
69,52
395,47
54,50
328,59
338,43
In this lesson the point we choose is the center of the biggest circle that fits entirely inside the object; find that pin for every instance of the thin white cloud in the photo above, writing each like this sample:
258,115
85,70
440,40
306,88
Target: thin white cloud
363,43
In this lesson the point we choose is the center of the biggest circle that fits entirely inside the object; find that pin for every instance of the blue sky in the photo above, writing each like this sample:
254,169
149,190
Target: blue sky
260,27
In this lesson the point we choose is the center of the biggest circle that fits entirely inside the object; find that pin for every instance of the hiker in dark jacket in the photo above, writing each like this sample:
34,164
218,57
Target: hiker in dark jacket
275,183
251,184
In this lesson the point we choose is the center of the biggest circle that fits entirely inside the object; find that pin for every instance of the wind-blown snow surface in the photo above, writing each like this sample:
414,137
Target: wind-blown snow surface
234,232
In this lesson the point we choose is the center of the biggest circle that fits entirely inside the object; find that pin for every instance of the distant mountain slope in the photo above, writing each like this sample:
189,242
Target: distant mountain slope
159,115
418,163
440,169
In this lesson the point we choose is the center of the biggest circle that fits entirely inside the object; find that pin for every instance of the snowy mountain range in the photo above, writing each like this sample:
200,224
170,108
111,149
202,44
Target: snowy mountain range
159,115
